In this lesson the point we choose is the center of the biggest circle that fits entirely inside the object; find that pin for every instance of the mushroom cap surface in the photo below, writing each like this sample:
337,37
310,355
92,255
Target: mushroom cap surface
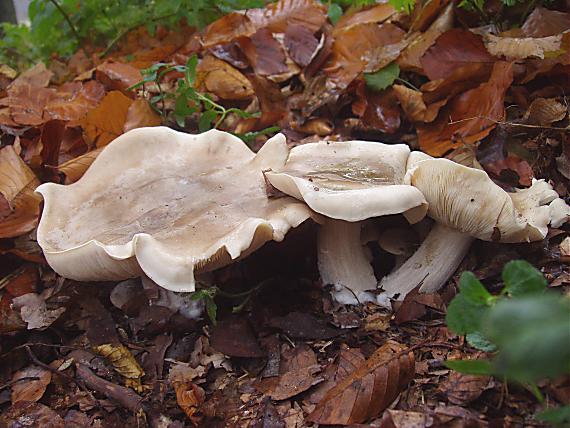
167,204
350,180
466,199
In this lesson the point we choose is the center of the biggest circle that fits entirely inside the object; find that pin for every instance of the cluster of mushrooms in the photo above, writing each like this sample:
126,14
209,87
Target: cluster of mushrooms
171,205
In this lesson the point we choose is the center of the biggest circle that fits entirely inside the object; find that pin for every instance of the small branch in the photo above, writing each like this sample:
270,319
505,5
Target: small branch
504,122
15,381
68,19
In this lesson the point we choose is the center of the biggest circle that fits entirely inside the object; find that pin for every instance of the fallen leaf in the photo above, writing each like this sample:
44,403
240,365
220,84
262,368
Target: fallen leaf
34,311
462,388
545,111
405,419
369,389
30,389
23,281
513,48
233,336
106,122
19,205
74,169
117,75
415,305
503,169
73,100
377,109
452,49
543,22
301,44
468,117
223,80
372,15
265,53
140,114
301,325
26,414
124,363
413,104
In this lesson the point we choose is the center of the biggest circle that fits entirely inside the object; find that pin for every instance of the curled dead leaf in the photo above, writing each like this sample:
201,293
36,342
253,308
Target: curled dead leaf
223,80
513,48
124,363
544,111
375,14
413,104
369,389
35,312
74,169
19,205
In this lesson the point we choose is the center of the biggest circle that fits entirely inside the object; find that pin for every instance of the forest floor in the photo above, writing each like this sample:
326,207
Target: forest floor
121,354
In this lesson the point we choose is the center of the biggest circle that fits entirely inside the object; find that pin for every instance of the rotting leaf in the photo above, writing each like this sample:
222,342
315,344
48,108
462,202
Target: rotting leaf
106,121
369,389
124,363
30,384
19,205
468,117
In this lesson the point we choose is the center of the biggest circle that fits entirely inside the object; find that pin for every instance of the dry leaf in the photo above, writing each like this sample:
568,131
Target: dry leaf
189,396
468,117
223,80
413,104
543,22
74,169
117,75
406,419
141,114
504,169
453,49
513,48
375,14
34,311
301,44
463,388
106,121
369,389
73,100
26,414
544,111
30,389
19,205
124,363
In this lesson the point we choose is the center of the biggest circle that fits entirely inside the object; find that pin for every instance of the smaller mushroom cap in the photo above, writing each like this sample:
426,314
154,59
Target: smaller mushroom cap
351,180
168,204
467,200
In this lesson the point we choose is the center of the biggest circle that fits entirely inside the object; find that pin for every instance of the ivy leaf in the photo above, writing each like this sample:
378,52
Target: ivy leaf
335,13
474,367
521,278
383,78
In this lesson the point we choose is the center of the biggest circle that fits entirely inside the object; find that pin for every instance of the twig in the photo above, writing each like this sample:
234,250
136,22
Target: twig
504,122
68,19
14,381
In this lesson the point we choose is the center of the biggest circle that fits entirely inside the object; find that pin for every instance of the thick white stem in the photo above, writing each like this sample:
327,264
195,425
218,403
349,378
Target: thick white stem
431,265
344,261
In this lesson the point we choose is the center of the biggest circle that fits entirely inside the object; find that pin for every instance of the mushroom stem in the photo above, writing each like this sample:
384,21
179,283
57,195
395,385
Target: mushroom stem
431,265
344,261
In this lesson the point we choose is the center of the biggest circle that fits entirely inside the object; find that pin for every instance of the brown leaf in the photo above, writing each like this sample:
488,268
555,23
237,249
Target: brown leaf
415,304
25,414
19,205
511,165
190,398
73,100
30,389
468,117
356,46
264,53
413,104
233,336
544,22
544,111
141,114
462,388
106,121
369,389
301,325
124,363
405,419
378,110
74,169
454,48
301,44
117,75
372,15
35,312
223,80
276,17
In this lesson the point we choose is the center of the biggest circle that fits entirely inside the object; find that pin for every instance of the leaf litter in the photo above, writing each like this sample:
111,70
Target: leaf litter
289,357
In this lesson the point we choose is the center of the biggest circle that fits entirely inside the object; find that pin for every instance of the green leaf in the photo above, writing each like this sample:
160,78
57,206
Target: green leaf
473,290
521,278
558,417
532,336
335,13
478,341
463,316
403,5
383,78
211,309
190,73
206,120
474,367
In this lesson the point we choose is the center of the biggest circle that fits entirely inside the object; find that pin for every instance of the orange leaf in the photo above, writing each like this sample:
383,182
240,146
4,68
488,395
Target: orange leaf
74,169
140,114
106,121
30,389
220,78
375,14
369,389
19,205
117,75
468,117
73,100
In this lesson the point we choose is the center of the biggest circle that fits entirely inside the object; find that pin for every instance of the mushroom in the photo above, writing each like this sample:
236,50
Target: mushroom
349,182
466,204
167,204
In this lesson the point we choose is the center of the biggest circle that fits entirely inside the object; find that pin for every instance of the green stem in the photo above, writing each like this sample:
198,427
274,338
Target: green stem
533,388
68,19
405,82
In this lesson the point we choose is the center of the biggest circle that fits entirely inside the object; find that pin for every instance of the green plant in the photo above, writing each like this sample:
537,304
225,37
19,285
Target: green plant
526,326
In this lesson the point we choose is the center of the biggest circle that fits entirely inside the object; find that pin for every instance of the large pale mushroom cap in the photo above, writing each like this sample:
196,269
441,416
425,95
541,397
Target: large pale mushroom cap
167,204
351,180
467,200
